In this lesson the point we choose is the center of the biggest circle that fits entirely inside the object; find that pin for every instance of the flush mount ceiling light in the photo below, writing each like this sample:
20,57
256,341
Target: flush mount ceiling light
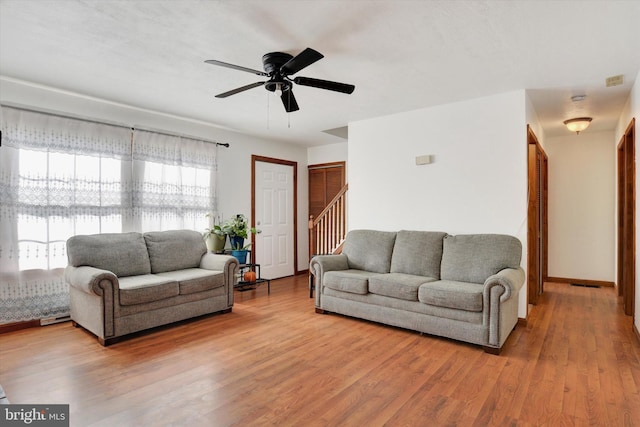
578,124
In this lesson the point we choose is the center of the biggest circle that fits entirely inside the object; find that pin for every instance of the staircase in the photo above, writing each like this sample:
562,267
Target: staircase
328,230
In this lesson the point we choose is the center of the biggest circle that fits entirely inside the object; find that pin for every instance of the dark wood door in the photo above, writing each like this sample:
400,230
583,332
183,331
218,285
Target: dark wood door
537,249
626,219
325,181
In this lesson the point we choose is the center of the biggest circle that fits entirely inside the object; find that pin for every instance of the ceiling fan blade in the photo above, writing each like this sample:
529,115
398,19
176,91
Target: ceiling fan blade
300,61
325,84
235,67
289,101
240,89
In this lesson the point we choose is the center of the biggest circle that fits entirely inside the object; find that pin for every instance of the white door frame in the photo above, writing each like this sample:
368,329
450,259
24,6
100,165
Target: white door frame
254,159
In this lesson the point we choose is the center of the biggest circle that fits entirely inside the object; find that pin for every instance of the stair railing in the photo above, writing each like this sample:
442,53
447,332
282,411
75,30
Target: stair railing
328,230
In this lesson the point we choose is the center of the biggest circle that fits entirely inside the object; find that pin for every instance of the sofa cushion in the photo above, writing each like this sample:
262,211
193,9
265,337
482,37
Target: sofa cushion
445,293
369,250
192,280
174,250
475,257
354,281
397,285
146,288
124,254
418,253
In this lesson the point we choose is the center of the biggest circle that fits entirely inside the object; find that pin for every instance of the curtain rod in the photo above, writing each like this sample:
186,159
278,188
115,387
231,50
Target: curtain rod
179,135
105,122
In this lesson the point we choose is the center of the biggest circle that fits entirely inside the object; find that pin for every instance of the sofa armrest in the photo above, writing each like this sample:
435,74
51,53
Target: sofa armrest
500,311
219,262
228,265
511,279
90,279
320,264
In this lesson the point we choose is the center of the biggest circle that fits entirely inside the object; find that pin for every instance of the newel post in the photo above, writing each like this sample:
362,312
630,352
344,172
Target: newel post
312,238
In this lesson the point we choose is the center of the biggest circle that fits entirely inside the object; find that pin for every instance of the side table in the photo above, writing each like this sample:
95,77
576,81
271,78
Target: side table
246,285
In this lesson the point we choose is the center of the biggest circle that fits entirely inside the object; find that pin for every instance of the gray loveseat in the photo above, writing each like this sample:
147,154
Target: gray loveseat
463,287
122,283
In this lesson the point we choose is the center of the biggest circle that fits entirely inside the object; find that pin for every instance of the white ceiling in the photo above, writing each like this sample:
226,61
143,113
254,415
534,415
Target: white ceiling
400,54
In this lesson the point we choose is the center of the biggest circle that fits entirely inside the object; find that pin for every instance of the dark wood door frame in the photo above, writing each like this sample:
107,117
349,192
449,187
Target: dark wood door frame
328,165
254,159
626,256
537,218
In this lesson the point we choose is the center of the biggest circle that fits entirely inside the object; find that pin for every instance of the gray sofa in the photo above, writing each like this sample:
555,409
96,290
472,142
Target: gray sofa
123,283
463,287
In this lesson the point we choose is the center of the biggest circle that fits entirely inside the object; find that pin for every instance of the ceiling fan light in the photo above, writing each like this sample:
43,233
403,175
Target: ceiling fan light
578,124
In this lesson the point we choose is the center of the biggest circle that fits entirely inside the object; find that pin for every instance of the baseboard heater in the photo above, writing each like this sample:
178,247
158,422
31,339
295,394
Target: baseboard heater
53,320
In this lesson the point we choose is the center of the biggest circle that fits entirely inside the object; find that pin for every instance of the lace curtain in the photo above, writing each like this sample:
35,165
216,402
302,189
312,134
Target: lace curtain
60,177
172,182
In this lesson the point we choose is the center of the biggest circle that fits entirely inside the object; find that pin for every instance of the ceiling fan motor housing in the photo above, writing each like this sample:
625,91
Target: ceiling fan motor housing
272,62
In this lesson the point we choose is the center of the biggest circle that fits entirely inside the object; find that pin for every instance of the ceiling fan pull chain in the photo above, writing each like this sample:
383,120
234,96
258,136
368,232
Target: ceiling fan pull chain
289,110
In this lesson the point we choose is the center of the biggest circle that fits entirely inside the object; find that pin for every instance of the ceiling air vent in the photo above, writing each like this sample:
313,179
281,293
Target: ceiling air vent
615,80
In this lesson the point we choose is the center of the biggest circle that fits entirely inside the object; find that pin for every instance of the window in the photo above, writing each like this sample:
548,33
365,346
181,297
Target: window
61,177
173,181
174,197
60,195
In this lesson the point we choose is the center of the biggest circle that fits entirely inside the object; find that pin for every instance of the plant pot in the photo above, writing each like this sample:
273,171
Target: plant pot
236,242
215,243
241,255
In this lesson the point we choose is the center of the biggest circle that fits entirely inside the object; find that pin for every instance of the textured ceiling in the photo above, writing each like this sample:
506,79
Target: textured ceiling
401,55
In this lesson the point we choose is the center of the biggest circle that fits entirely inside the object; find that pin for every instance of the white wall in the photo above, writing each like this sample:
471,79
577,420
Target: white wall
476,184
534,122
632,109
327,153
234,163
582,206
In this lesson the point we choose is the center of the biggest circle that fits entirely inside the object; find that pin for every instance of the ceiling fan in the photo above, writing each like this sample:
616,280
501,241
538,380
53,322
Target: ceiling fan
279,67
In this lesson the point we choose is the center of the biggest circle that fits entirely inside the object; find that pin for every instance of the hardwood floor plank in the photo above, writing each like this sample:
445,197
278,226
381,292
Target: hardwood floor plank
274,361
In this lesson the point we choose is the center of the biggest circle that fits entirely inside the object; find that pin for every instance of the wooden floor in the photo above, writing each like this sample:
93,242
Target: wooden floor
273,361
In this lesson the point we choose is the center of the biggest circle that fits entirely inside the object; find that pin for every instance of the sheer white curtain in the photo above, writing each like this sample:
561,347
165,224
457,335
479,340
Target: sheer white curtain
173,182
60,177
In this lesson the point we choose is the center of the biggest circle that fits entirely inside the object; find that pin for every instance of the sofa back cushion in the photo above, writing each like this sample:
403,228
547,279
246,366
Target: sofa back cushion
124,254
418,253
475,257
174,249
369,250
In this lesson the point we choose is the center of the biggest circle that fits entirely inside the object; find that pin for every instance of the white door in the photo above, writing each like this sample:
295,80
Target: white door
274,217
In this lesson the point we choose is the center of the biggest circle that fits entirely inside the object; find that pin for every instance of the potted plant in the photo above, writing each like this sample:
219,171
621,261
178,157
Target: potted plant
237,228
214,237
